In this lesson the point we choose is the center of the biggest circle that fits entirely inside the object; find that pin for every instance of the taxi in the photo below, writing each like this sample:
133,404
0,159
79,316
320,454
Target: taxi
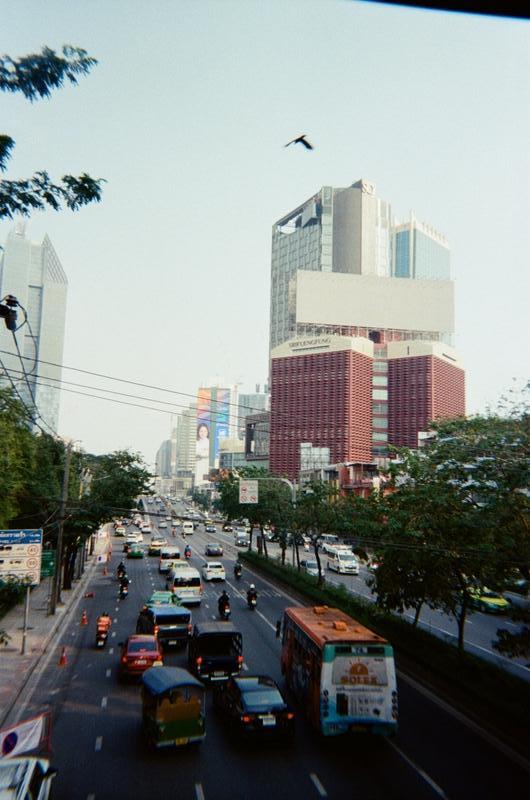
484,599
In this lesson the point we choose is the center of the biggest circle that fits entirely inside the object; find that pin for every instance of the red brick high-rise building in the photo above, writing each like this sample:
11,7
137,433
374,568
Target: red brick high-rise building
356,397
321,392
425,383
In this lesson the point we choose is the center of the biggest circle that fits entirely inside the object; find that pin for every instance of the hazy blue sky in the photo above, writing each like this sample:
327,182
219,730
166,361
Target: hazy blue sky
186,116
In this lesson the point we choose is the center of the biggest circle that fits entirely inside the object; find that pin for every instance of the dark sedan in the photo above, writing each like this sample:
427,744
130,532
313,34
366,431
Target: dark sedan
254,705
213,549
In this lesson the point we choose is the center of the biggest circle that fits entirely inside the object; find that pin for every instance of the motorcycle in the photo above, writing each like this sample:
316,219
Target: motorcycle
237,574
121,573
102,634
124,591
187,552
224,612
252,602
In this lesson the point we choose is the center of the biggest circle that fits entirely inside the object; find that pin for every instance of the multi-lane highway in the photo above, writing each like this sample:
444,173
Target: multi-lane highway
99,751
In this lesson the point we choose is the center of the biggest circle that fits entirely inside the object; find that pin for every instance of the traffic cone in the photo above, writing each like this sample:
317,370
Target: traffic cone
84,618
63,661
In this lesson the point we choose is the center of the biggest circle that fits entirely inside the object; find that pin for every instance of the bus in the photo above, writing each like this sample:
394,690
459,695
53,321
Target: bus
342,673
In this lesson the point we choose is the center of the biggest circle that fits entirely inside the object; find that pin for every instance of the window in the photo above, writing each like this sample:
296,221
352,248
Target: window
380,366
380,422
379,380
379,394
380,437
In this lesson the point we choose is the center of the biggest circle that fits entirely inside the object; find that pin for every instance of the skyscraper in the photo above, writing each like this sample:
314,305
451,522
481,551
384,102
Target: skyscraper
333,268
420,252
346,279
34,275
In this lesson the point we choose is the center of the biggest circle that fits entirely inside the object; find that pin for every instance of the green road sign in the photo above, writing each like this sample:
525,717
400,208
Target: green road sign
47,567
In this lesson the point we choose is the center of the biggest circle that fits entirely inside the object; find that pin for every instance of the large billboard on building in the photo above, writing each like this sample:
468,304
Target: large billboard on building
214,412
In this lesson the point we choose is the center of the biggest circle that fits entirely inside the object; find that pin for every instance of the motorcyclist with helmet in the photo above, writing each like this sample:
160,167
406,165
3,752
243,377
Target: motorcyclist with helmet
223,603
252,596
238,568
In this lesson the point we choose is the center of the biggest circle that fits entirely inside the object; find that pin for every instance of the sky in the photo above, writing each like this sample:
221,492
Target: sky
186,115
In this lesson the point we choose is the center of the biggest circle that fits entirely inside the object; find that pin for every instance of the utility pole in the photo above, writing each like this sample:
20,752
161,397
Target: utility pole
56,585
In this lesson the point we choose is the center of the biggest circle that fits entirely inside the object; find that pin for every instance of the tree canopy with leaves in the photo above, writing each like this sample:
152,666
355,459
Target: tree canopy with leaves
35,76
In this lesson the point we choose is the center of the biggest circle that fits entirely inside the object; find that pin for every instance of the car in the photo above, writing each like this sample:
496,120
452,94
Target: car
145,527
170,623
26,777
213,549
174,523
135,551
162,524
168,518
252,705
120,531
156,545
210,528
135,538
484,599
228,528
213,571
138,653
161,598
310,567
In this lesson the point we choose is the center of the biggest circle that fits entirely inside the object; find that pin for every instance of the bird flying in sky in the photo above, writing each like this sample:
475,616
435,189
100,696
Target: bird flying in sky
301,140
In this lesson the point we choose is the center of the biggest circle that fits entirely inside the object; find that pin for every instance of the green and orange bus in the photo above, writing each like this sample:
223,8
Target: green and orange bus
342,673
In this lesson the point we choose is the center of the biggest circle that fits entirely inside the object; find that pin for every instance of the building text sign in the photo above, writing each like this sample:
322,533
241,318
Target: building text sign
248,491
20,555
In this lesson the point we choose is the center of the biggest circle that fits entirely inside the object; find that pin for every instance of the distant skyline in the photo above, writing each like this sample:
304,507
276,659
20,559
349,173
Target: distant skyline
186,116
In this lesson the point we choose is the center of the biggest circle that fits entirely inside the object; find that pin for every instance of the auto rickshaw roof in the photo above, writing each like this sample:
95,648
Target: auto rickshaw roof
159,680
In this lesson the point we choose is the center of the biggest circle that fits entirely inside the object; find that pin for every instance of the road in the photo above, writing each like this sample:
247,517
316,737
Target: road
99,752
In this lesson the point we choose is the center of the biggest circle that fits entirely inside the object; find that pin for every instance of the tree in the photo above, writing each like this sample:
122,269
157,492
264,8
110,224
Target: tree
273,507
458,517
317,512
116,481
35,76
16,454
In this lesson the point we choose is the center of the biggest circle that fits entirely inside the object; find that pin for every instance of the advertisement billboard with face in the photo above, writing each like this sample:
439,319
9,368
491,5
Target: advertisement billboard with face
213,424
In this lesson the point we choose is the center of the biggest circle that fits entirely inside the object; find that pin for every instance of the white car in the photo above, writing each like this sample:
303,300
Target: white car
213,571
168,519
162,524
134,538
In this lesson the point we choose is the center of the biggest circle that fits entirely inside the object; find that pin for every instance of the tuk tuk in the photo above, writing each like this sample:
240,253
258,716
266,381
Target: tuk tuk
173,710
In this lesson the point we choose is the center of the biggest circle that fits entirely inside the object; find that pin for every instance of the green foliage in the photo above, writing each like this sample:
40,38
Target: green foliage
201,499
16,454
11,593
274,506
35,76
457,518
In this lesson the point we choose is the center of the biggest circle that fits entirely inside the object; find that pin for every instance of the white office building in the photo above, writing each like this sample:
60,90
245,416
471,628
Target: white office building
34,275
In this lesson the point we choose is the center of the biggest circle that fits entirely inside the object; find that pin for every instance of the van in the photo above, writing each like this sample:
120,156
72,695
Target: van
343,561
215,651
167,556
185,583
187,528
328,541
170,624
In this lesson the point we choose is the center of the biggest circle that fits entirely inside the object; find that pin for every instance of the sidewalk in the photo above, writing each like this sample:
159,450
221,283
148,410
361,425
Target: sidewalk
16,669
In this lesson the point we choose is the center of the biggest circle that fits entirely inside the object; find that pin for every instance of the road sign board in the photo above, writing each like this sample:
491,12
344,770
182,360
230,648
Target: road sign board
20,555
248,491
47,566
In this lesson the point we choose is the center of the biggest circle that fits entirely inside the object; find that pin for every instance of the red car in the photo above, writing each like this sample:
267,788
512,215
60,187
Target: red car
138,653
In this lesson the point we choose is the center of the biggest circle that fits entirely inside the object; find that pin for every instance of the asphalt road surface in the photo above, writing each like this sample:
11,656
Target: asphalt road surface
99,751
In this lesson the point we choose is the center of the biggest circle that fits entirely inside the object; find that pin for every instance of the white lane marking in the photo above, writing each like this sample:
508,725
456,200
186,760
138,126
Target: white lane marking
107,673
115,619
199,793
103,702
318,785
434,786
113,634
111,651
488,737
117,608
99,744
91,797
245,666
72,634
